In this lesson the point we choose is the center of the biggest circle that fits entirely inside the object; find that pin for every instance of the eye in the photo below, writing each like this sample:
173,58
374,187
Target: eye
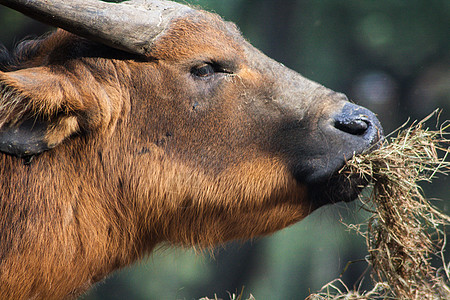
203,71
209,69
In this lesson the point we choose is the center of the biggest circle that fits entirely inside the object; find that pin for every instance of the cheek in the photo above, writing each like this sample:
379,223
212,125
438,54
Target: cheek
212,124
207,94
211,132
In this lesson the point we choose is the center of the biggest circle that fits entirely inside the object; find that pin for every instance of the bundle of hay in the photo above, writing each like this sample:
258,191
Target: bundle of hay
405,231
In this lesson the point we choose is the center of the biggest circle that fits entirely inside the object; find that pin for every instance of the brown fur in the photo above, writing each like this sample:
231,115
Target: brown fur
144,154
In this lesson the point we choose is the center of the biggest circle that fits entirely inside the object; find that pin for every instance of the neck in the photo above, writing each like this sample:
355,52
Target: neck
60,226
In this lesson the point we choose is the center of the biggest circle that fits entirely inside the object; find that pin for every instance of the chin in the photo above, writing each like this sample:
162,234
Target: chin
336,188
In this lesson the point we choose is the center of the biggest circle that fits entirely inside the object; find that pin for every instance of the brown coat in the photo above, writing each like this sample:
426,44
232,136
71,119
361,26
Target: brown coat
106,154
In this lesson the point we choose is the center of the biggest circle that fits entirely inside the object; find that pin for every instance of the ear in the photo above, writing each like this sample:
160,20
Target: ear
38,110
34,136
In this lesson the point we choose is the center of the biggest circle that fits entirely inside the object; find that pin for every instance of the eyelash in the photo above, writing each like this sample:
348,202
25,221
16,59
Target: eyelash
207,70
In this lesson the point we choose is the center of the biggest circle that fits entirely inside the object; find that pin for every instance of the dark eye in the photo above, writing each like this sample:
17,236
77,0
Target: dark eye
205,70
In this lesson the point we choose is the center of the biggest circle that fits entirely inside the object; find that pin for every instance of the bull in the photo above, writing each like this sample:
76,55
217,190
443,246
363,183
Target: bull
147,123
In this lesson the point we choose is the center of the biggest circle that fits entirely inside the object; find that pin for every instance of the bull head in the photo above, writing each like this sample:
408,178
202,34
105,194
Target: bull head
155,122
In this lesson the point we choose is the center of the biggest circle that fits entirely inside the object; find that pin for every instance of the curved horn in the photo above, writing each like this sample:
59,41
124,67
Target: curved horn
130,26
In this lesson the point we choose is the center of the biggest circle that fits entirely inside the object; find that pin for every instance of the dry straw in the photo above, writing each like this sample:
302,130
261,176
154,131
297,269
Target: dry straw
405,232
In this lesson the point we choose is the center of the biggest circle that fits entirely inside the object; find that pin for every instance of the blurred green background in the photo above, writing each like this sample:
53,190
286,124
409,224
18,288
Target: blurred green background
391,56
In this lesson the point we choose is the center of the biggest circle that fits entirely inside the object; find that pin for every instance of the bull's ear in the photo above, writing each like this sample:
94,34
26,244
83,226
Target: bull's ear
35,114
34,135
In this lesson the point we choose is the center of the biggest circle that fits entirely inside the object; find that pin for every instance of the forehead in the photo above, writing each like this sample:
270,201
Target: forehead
198,34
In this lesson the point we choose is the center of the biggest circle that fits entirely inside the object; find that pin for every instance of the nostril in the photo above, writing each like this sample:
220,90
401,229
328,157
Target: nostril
357,126
358,123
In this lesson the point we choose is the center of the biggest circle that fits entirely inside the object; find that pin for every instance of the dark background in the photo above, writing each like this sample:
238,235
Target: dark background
391,56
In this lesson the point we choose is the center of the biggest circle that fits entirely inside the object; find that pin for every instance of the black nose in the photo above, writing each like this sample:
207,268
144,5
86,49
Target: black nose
359,122
357,125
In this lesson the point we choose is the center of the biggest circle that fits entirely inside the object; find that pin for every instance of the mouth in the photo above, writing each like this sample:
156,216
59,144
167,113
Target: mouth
337,188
